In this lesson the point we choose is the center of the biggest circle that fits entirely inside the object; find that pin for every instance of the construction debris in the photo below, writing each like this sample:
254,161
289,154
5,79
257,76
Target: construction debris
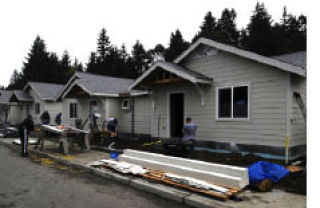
224,175
294,168
189,183
122,167
195,183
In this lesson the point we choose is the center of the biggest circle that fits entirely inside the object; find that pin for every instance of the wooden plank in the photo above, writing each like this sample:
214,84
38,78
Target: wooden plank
164,81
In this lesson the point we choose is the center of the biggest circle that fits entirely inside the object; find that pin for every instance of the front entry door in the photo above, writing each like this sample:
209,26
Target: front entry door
176,111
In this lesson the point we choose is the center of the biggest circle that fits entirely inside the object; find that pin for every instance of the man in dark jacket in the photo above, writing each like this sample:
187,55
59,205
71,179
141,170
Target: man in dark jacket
25,128
45,118
58,119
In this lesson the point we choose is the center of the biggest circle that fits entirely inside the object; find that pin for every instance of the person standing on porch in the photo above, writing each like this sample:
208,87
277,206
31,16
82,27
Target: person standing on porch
25,128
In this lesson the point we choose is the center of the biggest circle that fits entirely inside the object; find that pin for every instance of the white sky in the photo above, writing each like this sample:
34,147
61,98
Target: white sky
73,25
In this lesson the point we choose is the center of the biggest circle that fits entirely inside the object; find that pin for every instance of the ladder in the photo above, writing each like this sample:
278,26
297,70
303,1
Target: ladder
301,104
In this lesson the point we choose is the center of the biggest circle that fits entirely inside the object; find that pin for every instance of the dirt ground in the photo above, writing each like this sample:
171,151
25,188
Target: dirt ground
294,183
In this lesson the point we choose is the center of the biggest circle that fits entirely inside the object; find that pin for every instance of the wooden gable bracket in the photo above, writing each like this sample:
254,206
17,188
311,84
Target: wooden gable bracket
200,91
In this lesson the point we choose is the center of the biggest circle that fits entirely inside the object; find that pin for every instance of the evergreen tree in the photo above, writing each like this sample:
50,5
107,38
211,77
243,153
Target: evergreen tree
260,38
16,81
65,69
77,66
208,29
91,65
226,27
140,59
104,45
35,68
176,46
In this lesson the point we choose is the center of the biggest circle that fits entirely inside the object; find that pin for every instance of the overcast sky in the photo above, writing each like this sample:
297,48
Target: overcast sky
73,25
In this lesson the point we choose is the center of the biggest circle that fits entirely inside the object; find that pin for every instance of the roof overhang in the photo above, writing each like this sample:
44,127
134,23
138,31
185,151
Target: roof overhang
242,53
66,86
75,84
15,98
170,69
38,93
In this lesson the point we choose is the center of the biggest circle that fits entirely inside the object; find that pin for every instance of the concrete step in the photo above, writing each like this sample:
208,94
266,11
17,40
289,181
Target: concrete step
183,168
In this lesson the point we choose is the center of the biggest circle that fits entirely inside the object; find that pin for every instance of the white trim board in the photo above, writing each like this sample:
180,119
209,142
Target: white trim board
217,102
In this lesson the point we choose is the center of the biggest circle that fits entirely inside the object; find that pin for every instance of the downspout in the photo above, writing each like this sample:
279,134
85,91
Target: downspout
288,120
132,117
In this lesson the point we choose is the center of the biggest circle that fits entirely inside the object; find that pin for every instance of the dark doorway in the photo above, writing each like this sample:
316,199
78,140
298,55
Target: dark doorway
176,104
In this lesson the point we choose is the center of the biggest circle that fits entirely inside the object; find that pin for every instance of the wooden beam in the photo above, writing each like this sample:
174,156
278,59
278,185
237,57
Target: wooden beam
164,81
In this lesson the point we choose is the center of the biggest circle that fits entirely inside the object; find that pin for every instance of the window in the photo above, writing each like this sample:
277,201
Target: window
233,102
125,104
37,108
73,110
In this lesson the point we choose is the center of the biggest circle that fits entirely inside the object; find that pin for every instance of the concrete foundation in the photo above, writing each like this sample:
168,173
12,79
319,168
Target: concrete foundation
214,173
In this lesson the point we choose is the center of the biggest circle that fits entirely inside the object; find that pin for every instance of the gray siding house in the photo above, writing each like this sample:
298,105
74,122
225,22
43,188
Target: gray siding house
110,96
240,101
35,98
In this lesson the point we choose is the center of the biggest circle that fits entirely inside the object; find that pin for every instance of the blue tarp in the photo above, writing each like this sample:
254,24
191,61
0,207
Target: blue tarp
266,170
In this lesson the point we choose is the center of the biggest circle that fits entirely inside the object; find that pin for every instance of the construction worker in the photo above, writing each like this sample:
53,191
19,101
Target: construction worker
58,119
25,128
45,118
189,131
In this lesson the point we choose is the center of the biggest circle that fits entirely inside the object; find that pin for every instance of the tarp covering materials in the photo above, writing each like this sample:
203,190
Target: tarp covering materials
266,170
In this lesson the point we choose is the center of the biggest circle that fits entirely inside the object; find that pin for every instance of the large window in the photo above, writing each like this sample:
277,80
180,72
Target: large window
73,110
233,102
37,108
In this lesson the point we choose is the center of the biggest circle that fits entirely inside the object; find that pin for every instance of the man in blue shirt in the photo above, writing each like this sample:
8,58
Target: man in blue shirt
189,136
189,130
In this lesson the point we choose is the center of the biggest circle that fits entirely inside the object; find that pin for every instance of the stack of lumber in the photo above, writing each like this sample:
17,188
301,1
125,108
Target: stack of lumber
220,192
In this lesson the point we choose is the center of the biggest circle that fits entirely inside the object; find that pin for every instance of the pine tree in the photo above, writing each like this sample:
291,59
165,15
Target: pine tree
16,81
260,38
140,59
77,66
65,69
176,46
91,65
104,46
208,29
36,65
226,28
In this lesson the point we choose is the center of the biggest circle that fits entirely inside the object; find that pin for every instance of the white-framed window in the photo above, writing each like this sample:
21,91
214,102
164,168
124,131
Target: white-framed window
125,104
73,110
37,108
233,102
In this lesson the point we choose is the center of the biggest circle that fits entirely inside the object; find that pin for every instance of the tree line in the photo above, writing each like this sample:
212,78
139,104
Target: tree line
261,35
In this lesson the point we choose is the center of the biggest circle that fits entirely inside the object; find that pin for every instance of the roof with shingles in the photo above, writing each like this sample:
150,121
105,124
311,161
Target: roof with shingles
47,91
22,96
5,96
297,58
99,84
187,71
